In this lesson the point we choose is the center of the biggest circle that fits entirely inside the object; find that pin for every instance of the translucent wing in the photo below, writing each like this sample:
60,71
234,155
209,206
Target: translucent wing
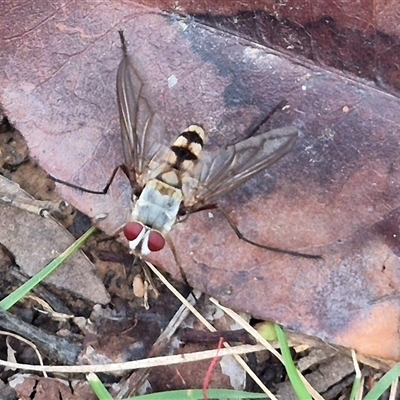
224,171
143,132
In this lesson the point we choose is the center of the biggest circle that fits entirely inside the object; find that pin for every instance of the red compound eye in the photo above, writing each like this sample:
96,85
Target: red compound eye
132,230
156,241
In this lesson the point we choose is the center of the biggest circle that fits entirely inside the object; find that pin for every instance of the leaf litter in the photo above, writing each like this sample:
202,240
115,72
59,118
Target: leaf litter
335,194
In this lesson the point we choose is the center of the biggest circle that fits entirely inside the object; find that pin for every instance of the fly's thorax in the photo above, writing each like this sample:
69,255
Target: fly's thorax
158,206
171,179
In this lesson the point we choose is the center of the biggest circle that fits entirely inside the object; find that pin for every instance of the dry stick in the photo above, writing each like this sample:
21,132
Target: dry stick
12,193
39,290
55,348
35,349
145,363
236,317
212,329
137,378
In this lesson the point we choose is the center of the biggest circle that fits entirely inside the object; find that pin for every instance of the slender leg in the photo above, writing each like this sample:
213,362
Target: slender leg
275,249
253,129
103,191
177,260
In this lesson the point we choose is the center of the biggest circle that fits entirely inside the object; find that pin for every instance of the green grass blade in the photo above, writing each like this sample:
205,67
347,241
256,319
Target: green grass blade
356,390
98,388
383,384
17,295
197,394
298,385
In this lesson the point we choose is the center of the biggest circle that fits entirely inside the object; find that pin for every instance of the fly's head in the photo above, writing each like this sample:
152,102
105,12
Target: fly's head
142,239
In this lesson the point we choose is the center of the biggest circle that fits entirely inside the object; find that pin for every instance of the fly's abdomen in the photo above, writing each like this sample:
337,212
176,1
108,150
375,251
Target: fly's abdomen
186,149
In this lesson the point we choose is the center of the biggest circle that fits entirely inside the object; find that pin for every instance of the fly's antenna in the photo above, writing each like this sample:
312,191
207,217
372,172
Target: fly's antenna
123,42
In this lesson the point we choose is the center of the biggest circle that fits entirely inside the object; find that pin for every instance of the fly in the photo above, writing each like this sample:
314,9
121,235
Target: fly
171,182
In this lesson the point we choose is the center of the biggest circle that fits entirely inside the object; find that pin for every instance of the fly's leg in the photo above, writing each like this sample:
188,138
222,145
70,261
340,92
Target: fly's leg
123,42
82,189
261,246
129,174
253,129
177,260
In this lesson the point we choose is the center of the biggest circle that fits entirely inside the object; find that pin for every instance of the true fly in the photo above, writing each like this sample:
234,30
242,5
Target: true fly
170,182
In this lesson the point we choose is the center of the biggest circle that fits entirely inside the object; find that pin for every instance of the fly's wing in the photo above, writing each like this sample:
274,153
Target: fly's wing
142,130
220,173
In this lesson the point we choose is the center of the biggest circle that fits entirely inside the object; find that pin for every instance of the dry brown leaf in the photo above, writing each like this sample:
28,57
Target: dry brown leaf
50,388
34,241
335,194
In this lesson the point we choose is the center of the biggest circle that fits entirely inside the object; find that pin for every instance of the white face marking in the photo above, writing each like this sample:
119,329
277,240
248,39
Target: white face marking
145,243
134,243
143,239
